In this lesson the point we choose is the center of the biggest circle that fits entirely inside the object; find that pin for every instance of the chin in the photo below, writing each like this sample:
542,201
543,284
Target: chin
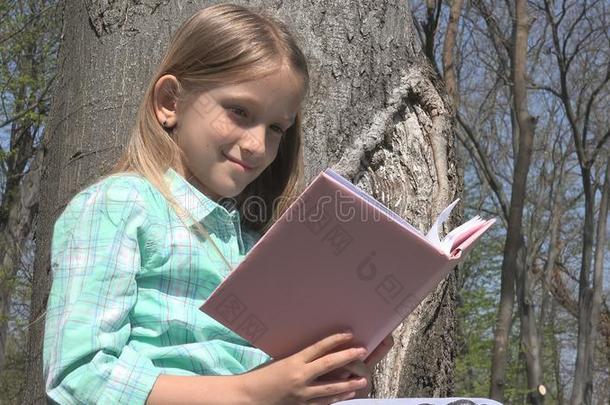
231,192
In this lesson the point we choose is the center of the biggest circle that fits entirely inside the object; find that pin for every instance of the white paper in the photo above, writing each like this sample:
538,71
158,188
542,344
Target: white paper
433,233
420,401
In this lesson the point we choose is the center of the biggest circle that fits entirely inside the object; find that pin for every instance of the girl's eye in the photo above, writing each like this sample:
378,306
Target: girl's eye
242,113
238,111
279,130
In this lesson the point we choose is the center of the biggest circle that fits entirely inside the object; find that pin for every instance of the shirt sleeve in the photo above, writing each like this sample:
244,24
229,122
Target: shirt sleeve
95,259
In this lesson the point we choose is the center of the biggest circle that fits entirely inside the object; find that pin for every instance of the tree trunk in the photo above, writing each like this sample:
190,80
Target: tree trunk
582,386
547,316
375,114
556,355
590,307
21,213
18,205
526,127
513,263
13,229
449,71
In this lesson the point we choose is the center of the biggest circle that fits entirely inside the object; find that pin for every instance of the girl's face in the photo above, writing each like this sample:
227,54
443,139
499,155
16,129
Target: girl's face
230,134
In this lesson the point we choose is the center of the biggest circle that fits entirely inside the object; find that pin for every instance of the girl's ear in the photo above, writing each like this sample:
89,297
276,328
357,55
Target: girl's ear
165,100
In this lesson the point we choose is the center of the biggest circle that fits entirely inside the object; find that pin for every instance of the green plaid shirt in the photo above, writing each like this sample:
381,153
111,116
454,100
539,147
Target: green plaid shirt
128,280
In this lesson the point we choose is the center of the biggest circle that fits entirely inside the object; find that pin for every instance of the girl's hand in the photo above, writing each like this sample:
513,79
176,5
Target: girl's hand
290,381
364,368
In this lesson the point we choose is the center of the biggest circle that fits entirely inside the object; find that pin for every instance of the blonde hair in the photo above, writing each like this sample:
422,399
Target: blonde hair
218,45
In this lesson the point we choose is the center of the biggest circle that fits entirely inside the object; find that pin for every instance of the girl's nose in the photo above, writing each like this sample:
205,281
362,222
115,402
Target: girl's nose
253,140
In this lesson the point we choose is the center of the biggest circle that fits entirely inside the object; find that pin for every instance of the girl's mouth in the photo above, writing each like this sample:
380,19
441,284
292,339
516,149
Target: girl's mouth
238,162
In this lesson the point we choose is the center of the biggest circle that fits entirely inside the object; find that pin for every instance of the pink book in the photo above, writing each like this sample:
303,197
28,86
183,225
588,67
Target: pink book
336,259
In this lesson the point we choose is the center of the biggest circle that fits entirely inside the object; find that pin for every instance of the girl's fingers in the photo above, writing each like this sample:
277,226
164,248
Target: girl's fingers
370,362
327,390
324,346
358,368
333,399
333,361
355,368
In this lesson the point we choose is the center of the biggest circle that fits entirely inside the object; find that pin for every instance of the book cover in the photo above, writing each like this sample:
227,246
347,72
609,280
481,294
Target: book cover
335,259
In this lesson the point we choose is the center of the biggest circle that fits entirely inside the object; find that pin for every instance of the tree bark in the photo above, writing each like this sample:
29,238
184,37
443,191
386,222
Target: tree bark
375,114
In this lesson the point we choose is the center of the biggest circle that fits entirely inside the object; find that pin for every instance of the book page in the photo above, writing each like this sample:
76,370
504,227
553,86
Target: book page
419,401
433,233
462,232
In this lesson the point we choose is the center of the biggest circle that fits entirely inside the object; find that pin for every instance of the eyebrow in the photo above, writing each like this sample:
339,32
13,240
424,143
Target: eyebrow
252,100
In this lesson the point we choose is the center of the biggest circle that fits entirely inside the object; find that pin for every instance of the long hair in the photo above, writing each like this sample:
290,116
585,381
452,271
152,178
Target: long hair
220,45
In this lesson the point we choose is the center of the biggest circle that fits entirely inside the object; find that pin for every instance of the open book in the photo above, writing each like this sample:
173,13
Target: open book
336,259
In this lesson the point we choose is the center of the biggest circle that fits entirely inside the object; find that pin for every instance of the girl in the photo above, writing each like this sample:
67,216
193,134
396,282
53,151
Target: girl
135,254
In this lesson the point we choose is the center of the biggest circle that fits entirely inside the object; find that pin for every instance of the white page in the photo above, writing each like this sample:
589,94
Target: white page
433,233
419,401
447,242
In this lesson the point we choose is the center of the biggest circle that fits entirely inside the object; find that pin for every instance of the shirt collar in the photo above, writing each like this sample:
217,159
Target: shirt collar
197,203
